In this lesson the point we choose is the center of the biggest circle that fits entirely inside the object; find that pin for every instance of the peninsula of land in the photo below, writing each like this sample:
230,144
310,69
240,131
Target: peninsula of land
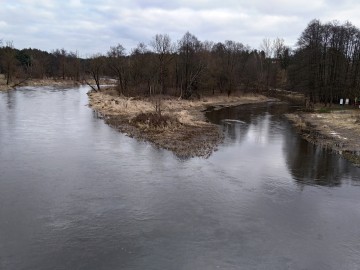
170,123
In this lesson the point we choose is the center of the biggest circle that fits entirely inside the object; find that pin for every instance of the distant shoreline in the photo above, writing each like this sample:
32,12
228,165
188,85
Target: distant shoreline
36,82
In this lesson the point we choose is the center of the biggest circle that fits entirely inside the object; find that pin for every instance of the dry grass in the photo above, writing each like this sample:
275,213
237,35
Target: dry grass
297,121
34,82
356,116
181,128
348,120
50,82
338,130
186,111
155,121
3,86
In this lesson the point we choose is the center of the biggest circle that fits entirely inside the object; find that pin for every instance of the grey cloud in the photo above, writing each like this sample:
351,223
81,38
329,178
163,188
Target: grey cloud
93,26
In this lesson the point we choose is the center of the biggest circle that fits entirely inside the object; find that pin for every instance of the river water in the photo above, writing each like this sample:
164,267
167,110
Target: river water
76,194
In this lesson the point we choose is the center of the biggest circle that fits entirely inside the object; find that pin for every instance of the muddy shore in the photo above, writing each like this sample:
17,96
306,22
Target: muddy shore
338,130
186,132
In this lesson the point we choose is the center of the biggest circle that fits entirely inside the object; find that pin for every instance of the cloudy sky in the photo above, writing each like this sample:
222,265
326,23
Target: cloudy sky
91,26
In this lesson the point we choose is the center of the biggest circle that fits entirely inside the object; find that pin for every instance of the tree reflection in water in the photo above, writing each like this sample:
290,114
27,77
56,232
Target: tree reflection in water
313,165
307,163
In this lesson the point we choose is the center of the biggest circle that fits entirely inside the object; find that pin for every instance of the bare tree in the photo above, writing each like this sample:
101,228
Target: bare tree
61,60
9,61
143,69
163,48
1,43
278,47
190,66
117,63
327,62
267,47
95,68
234,63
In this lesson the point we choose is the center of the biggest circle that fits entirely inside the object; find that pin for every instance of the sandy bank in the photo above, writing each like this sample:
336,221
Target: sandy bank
187,133
336,130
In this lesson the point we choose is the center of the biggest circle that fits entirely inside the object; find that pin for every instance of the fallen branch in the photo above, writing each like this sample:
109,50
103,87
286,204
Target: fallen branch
92,87
20,83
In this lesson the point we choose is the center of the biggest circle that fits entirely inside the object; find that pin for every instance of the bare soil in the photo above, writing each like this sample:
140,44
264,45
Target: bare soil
337,130
180,126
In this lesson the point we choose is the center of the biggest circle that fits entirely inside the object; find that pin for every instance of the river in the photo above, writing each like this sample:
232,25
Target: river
77,194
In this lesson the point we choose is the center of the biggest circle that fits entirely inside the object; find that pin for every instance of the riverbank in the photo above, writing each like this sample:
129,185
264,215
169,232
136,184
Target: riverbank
338,130
35,82
176,125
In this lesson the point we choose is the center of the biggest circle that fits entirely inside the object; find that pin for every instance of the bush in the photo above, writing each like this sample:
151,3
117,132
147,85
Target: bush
155,120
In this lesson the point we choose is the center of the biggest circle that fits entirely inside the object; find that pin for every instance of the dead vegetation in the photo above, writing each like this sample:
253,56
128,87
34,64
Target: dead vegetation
170,123
155,121
3,86
34,82
338,130
357,118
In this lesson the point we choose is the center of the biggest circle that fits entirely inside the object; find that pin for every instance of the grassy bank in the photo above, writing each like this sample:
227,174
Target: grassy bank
336,129
177,125
3,86
34,82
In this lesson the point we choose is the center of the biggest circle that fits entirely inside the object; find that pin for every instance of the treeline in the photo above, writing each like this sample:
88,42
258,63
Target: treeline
324,66
186,68
37,64
190,67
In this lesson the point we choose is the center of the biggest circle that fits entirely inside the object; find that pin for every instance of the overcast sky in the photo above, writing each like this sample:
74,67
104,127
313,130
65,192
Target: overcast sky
91,26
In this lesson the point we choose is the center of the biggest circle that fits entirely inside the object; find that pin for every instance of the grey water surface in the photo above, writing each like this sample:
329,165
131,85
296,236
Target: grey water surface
77,194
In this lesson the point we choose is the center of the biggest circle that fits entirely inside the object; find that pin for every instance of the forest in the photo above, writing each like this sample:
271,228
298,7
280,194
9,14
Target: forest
324,65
